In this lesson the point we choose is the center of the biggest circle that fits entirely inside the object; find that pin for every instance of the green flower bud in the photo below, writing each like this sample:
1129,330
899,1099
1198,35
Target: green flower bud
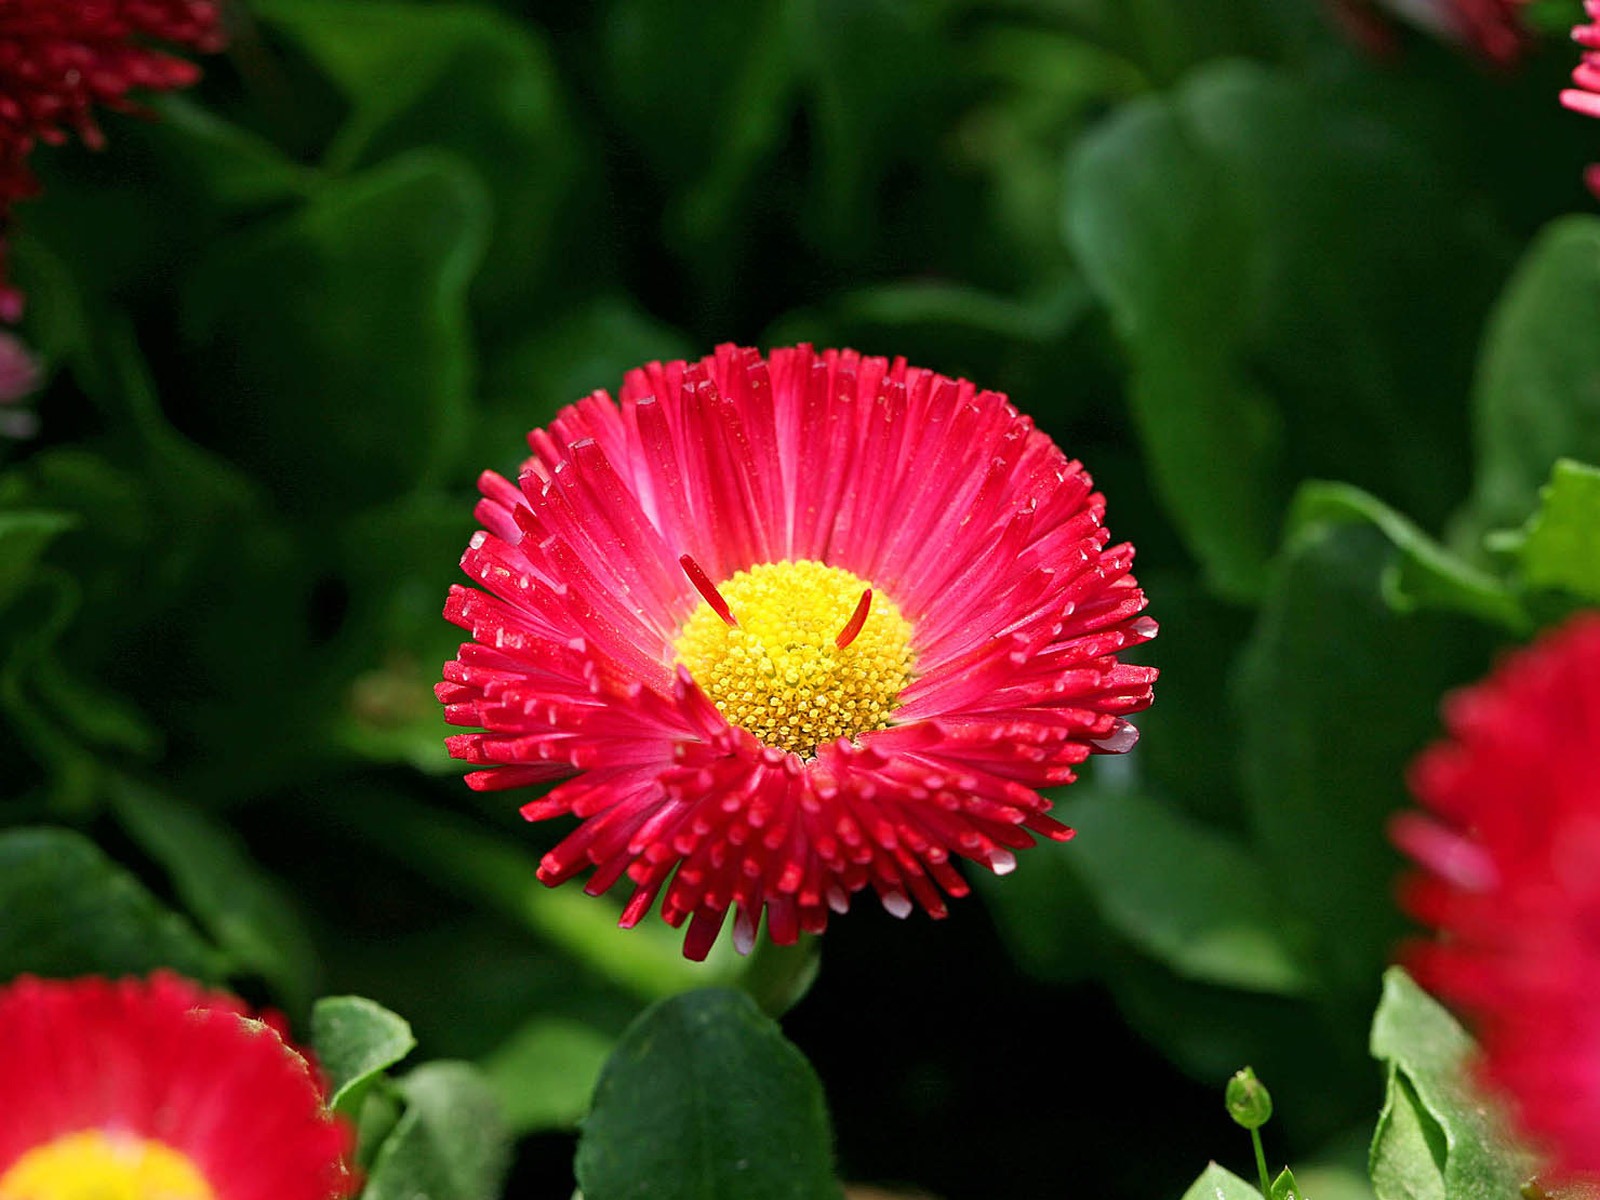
1248,1102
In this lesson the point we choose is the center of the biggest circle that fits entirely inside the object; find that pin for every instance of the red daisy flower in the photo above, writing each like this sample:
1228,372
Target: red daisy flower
1585,98
1511,880
140,1088
1492,28
61,58
801,625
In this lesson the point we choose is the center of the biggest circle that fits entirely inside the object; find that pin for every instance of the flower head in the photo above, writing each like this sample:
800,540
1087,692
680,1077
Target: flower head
798,626
1585,97
60,59
1510,851
139,1088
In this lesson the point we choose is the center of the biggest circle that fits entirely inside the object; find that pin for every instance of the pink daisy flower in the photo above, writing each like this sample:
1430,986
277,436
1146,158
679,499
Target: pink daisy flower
796,626
61,59
1585,97
1510,851
156,1088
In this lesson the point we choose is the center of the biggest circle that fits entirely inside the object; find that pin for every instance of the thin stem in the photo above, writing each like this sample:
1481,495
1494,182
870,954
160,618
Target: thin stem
1261,1163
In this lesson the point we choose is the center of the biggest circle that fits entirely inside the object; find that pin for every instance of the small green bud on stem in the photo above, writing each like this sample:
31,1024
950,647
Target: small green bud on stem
1249,1103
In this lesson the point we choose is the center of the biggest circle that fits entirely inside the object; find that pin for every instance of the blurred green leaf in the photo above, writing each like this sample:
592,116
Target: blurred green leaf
1212,436
1424,574
355,1040
1191,896
1335,694
1260,357
1559,548
232,165
24,536
1219,1183
398,561
709,142
545,1073
1431,1097
881,77
333,343
451,1143
703,1097
463,858
66,722
1537,397
69,910
558,362
242,908
468,79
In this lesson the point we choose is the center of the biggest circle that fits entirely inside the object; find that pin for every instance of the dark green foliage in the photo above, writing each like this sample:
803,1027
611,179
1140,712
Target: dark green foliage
1322,328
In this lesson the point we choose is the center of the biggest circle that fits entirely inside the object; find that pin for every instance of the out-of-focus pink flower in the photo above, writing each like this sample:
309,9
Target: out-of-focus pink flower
1585,97
20,376
61,59
1510,850
799,626
1491,28
157,1088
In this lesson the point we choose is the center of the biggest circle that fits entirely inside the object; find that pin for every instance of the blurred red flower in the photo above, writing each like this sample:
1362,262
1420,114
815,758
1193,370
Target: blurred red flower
1510,847
1491,28
157,1087
801,625
59,59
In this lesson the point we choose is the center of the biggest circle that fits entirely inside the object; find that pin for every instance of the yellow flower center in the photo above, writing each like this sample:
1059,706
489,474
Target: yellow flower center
94,1165
780,672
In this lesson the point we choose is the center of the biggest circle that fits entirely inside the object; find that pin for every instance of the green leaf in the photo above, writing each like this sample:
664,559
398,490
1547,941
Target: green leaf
878,73
1219,1183
1189,895
1423,575
24,536
350,315
242,908
1559,549
1423,1043
463,78
1408,1146
704,1098
1259,358
558,362
70,910
1213,438
1285,1188
355,1040
451,1143
1537,397
234,165
1335,694
546,1072
709,142
463,858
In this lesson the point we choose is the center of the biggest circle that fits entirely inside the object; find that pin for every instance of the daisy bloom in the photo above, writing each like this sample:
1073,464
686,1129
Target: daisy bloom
798,626
1585,97
1510,851
59,59
142,1089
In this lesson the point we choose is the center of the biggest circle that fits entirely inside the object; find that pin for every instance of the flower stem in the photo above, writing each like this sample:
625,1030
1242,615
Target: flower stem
1261,1164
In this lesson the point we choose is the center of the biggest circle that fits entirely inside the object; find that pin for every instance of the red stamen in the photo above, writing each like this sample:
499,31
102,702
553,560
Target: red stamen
703,585
856,621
